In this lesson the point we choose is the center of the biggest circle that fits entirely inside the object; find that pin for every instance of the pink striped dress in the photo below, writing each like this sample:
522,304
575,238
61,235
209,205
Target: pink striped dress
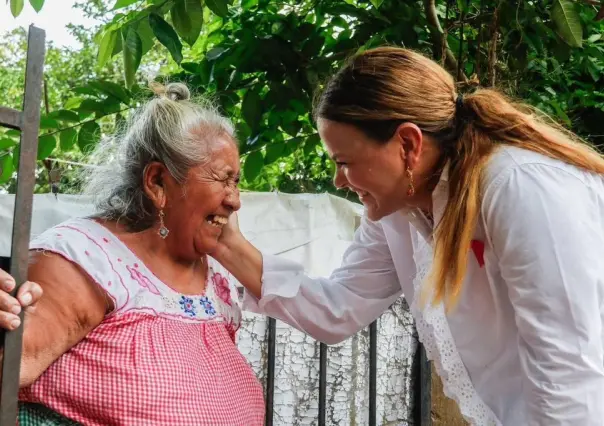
160,358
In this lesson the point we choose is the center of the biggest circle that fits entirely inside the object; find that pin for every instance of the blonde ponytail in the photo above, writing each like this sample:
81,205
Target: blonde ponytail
381,88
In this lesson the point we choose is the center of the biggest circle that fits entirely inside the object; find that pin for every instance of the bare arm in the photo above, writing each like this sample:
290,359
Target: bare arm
71,307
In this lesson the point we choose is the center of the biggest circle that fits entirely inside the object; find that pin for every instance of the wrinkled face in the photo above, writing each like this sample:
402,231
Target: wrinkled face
376,172
196,211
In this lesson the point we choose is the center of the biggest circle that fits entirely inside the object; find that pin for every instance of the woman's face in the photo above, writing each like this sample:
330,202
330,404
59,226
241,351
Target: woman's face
196,211
376,172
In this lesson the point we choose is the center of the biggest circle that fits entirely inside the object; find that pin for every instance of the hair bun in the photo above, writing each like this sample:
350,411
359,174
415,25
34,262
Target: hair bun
173,91
178,92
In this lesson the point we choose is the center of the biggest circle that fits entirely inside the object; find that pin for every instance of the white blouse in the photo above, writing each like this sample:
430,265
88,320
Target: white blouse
525,344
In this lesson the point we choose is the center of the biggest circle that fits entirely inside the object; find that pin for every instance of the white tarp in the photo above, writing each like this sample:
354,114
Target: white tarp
313,230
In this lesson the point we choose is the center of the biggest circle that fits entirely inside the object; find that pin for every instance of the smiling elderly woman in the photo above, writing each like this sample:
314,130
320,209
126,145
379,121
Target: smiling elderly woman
137,323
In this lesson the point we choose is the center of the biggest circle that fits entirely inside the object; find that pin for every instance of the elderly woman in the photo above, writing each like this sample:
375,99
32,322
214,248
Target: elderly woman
137,324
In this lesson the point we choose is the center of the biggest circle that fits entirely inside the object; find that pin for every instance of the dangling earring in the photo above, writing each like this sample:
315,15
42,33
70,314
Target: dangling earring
163,231
411,188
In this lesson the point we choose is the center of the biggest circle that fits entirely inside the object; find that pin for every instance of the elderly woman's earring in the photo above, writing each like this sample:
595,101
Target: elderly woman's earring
163,231
411,188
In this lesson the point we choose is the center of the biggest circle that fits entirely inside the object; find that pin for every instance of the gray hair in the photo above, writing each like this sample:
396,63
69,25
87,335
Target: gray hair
160,130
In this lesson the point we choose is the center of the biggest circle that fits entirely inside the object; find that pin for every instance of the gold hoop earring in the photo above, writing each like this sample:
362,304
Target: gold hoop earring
163,231
411,188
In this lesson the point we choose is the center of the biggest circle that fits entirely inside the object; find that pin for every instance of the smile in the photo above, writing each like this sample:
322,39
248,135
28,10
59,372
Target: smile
217,220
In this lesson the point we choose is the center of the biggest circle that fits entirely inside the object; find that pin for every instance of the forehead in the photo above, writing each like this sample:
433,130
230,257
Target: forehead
341,138
223,155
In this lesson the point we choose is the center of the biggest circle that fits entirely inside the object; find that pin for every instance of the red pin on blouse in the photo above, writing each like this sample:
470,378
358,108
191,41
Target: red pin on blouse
478,249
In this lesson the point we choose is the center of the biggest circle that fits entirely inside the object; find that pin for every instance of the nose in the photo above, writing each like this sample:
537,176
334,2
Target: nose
232,200
339,179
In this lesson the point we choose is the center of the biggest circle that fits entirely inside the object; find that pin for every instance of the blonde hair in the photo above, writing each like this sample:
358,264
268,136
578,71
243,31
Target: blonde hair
379,89
171,129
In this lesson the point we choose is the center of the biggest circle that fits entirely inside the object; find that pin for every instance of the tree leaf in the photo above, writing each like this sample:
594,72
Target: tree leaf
90,106
132,52
166,36
6,143
16,156
123,3
311,143
67,139
37,4
106,47
146,34
112,89
65,115
47,122
88,136
251,108
16,7
274,151
187,18
377,3
567,22
46,145
253,165
6,168
215,53
219,7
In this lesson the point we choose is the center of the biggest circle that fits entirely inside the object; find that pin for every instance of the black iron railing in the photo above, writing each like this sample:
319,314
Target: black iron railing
421,371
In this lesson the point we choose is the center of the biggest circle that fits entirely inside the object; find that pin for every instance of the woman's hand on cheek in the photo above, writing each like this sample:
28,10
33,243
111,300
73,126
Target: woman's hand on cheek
229,238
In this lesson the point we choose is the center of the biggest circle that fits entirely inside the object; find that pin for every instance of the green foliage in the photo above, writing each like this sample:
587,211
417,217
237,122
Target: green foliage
567,21
166,36
16,7
132,49
263,61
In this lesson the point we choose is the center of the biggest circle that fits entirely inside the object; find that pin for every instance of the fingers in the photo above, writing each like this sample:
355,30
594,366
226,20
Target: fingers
29,293
7,283
9,321
9,304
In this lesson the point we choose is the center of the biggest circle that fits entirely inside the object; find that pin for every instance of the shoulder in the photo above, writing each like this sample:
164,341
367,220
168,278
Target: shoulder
65,233
529,169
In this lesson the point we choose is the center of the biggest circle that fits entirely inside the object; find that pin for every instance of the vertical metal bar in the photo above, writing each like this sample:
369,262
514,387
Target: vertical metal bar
373,373
423,389
270,371
11,363
322,383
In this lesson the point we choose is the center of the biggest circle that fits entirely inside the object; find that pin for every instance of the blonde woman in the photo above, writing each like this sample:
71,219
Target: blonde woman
476,206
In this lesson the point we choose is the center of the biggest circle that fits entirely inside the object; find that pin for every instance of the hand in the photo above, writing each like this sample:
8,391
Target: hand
10,307
229,237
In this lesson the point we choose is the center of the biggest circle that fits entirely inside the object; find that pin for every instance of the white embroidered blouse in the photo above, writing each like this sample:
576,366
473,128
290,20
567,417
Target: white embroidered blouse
525,344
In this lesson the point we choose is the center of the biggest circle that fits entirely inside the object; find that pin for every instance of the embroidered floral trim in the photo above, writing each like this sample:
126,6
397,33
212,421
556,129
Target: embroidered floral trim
206,305
222,288
142,279
188,306
433,330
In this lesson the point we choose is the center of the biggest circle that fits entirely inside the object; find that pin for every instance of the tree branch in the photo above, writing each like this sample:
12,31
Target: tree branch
438,36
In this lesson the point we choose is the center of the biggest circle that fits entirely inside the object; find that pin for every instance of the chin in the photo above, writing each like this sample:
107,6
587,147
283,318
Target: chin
376,213
206,246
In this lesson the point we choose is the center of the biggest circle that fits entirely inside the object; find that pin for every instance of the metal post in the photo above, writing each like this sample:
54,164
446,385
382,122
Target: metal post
423,389
373,373
322,384
29,125
270,371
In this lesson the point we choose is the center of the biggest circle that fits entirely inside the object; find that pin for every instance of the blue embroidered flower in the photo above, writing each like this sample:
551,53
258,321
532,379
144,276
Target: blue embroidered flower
186,304
206,305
